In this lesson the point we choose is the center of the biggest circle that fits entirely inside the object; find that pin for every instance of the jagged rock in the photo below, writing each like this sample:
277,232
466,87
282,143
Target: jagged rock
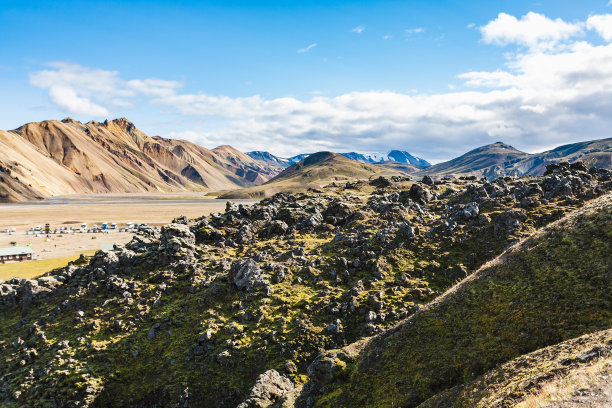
326,366
108,261
247,274
245,234
419,194
269,388
274,228
177,242
381,182
427,180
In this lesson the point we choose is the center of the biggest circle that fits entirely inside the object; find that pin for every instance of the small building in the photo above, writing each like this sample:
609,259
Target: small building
15,254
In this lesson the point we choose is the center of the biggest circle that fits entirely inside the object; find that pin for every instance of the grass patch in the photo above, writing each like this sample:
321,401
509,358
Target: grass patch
564,387
33,269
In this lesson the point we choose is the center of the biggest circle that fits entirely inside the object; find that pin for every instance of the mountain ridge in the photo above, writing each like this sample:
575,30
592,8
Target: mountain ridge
48,158
500,159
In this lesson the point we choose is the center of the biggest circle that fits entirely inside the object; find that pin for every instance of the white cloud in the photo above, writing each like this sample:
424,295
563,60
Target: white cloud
531,30
84,91
540,97
386,37
417,30
67,98
602,24
358,29
306,49
153,87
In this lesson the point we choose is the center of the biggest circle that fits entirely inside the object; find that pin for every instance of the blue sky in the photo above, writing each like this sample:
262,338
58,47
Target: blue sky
290,76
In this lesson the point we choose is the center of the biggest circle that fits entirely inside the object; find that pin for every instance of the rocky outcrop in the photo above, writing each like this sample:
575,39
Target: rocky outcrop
247,275
269,388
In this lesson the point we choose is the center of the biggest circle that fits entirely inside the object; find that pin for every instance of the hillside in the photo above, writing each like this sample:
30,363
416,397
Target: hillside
491,161
50,158
315,171
551,375
595,153
552,287
499,159
233,309
269,159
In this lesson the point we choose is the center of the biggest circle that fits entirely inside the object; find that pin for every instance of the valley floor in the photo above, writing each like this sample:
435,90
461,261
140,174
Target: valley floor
71,211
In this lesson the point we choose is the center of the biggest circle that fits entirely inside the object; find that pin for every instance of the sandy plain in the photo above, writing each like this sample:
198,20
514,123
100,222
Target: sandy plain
71,211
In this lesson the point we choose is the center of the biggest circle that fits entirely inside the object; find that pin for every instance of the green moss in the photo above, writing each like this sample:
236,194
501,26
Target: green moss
555,287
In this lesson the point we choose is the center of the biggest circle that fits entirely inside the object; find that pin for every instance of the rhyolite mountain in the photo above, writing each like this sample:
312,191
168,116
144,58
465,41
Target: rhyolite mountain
50,158
371,293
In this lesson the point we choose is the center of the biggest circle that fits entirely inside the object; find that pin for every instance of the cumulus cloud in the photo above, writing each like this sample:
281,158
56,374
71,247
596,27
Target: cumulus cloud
602,24
538,98
531,30
358,29
86,91
67,98
306,49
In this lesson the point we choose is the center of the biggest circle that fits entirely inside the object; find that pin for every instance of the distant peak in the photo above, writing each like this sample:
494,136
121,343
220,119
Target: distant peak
503,145
70,120
319,157
122,123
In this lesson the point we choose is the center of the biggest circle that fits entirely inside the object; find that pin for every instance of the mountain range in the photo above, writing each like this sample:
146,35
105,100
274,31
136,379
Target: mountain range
500,159
315,171
397,156
51,158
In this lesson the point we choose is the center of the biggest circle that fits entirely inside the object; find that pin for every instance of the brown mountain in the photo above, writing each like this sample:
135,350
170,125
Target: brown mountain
315,171
45,159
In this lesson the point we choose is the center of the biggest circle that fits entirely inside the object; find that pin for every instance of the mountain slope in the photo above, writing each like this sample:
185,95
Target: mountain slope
113,156
594,153
551,373
399,156
269,159
315,171
499,159
553,286
491,161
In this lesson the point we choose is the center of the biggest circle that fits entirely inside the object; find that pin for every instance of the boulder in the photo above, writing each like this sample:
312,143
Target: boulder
269,388
419,194
247,274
